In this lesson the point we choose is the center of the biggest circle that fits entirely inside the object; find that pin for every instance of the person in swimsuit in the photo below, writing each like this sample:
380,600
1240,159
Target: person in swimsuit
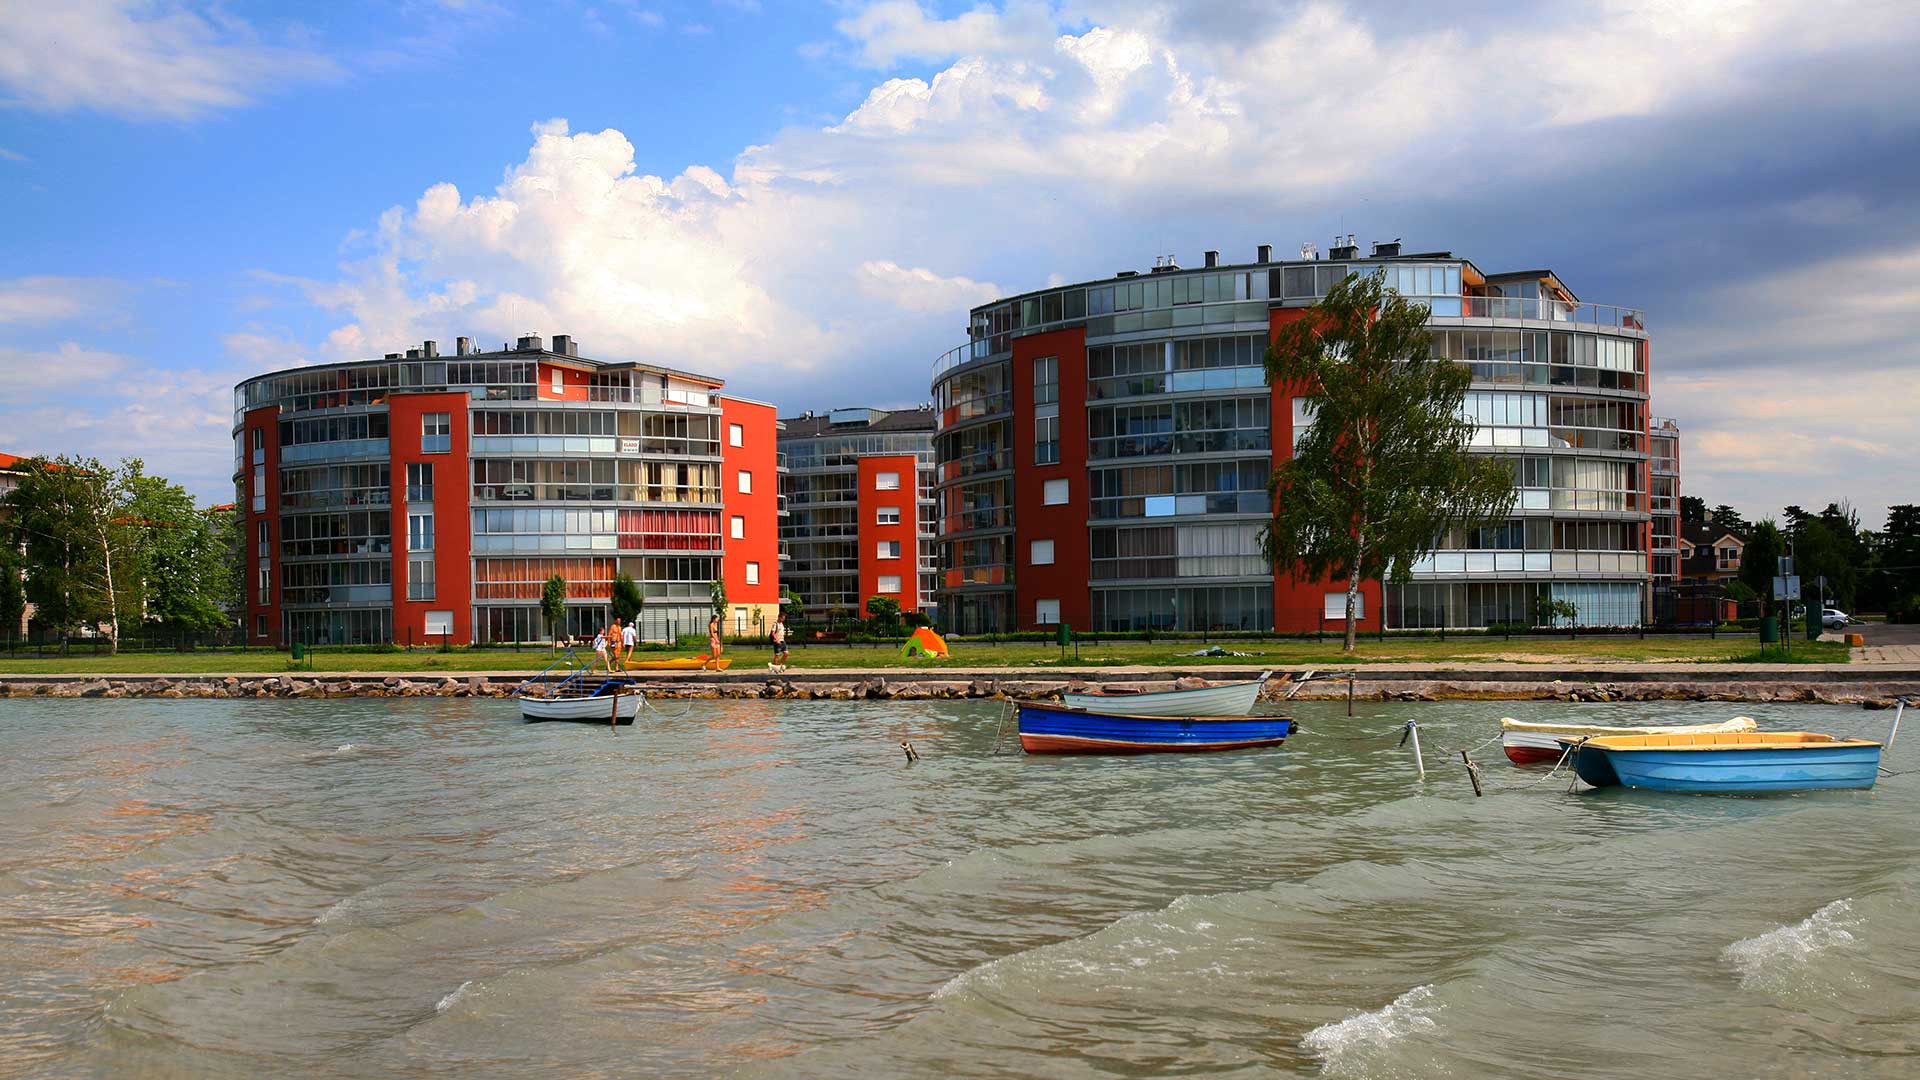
780,644
600,650
713,640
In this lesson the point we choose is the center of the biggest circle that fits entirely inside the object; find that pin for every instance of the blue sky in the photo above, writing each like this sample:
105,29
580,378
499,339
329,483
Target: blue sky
804,197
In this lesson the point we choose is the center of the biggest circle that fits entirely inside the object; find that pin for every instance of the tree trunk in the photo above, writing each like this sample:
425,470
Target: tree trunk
113,601
1353,593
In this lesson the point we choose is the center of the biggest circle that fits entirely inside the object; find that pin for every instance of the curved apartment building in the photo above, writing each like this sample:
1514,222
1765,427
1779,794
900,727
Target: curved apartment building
1104,449
422,498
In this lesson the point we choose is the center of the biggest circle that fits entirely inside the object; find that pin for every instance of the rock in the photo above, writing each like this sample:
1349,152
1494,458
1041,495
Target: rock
96,688
390,681
169,692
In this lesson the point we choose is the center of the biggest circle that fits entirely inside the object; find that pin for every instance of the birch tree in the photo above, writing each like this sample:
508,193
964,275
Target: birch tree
1383,471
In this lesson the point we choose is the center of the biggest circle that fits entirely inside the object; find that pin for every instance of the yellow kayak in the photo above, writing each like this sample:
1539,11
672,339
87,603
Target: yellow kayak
681,663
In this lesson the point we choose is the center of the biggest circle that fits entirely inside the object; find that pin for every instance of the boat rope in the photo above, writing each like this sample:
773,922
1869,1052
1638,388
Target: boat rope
1401,731
655,709
1006,709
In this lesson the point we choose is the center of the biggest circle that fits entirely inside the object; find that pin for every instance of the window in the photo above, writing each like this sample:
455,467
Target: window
259,626
420,579
890,584
736,435
439,622
266,591
886,481
739,622
753,573
436,433
739,527
1040,552
887,549
559,384
887,515
420,482
1046,440
1054,492
262,550
746,482
259,488
1046,612
419,532
1336,606
1046,380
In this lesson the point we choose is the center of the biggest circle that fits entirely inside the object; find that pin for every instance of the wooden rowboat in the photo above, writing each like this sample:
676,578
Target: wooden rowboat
1221,699
609,708
1740,762
1527,743
1058,729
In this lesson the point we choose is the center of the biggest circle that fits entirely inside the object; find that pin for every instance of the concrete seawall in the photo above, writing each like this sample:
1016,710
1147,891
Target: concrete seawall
1856,685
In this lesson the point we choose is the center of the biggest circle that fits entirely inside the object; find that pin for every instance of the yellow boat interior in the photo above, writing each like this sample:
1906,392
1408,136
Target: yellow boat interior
1723,740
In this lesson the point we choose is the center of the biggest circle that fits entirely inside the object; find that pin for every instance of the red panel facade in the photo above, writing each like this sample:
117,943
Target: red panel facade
263,424
759,508
1065,579
453,523
903,497
1299,606
572,383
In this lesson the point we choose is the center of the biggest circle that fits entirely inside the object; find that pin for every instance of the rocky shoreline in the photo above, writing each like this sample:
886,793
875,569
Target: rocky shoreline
797,686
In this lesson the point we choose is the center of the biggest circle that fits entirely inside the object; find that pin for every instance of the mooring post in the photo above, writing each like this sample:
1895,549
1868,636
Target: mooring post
1473,774
1350,693
1899,707
1419,761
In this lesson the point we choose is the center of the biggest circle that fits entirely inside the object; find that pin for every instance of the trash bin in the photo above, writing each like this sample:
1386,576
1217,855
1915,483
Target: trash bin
299,651
1064,635
1769,630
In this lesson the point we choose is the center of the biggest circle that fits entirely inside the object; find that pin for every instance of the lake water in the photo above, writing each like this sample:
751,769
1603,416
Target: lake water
377,888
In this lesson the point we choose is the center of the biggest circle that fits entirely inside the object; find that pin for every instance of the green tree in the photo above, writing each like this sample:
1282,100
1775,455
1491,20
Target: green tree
64,512
1693,508
627,600
1548,612
1760,561
1383,471
717,593
1894,577
179,569
883,610
13,596
553,604
1726,517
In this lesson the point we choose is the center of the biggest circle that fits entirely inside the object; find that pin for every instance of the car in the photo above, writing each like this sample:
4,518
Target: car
1834,619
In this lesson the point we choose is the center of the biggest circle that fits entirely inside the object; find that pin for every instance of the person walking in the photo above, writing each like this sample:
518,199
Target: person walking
779,664
629,637
600,651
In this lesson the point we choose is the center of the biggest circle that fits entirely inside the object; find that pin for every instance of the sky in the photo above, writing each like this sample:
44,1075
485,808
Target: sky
804,197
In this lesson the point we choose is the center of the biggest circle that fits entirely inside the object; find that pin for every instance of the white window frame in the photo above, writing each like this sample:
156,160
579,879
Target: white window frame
1040,552
438,622
887,549
736,435
886,481
1046,612
887,515
1055,492
738,527
883,587
1334,606
744,481
753,573
559,382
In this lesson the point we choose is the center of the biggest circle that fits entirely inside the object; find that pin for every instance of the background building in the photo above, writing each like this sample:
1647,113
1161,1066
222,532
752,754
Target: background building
1663,502
1104,450
10,479
421,498
858,491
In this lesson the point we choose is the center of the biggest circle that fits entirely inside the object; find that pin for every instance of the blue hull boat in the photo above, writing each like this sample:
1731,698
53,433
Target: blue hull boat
1727,763
1058,729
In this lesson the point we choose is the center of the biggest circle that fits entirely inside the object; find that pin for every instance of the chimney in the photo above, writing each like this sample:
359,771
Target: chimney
413,354
463,346
1390,250
1210,258
563,344
429,349
1265,253
532,343
1343,248
392,356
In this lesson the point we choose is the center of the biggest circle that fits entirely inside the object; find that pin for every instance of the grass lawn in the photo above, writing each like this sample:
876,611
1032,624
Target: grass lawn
1278,654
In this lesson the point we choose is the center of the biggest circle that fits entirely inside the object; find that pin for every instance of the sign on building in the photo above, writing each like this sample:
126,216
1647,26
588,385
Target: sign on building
629,445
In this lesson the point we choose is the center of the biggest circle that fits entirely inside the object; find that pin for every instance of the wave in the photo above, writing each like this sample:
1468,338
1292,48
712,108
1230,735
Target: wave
450,1000
1344,1047
1773,960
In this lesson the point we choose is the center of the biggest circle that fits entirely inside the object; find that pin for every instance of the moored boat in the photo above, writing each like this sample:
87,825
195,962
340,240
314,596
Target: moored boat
1220,699
1527,743
1727,762
1059,729
612,707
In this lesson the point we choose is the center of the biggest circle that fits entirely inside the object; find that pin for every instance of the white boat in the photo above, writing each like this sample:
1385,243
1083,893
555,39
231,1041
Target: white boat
1526,742
599,709
1220,699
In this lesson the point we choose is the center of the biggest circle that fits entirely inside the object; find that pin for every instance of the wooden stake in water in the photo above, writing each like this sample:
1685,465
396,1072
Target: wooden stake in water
1898,709
1473,773
1419,761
